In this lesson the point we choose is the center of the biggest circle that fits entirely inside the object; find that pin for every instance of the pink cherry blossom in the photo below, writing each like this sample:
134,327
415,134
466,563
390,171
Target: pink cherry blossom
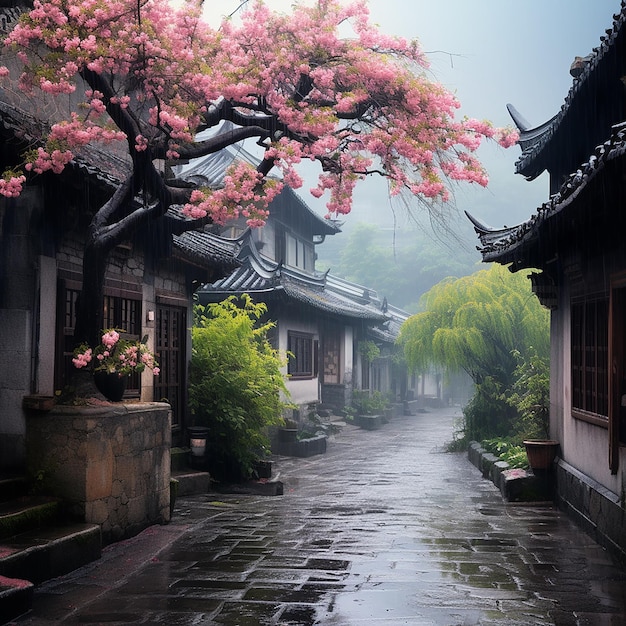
358,106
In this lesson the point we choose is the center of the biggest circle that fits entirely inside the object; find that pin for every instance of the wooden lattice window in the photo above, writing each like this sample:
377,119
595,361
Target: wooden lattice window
301,361
589,354
119,312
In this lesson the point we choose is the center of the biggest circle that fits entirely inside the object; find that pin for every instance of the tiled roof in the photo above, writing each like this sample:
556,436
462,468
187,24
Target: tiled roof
331,301
500,244
110,167
199,247
259,275
534,140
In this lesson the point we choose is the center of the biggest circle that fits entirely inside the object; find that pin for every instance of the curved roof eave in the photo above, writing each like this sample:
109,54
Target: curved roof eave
538,138
503,245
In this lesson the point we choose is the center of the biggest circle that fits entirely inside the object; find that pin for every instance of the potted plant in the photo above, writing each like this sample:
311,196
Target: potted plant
369,408
114,360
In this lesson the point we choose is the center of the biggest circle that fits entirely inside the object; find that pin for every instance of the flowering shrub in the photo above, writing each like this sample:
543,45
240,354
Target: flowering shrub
116,355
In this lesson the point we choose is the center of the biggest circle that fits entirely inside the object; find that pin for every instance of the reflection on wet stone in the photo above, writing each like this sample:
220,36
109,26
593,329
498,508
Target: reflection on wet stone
385,528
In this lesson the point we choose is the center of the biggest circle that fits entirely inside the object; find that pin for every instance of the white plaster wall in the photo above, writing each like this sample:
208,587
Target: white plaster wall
585,446
347,351
301,391
148,307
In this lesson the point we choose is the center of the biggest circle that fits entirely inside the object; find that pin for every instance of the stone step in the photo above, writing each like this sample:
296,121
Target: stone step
35,545
12,487
16,597
179,459
27,513
190,482
50,551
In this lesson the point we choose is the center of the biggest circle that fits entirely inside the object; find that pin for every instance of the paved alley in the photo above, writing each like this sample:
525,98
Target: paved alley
386,528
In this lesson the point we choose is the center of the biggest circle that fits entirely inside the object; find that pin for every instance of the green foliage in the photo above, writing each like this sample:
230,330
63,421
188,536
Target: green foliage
482,324
513,453
475,323
530,395
369,350
366,403
488,414
235,384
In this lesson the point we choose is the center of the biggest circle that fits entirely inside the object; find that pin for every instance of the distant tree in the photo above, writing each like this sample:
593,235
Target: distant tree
400,268
482,324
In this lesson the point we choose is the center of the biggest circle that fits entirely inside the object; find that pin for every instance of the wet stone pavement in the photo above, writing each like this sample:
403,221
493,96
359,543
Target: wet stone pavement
385,528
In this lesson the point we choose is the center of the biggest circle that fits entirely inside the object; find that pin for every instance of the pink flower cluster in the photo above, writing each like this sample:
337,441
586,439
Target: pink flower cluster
117,355
358,106
82,359
11,186
244,192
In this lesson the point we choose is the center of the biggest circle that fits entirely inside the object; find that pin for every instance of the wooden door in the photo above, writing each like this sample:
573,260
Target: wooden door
170,385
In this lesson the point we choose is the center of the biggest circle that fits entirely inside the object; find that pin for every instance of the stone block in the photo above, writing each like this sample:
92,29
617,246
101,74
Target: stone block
486,461
96,459
474,454
369,422
191,483
519,485
397,409
98,470
496,472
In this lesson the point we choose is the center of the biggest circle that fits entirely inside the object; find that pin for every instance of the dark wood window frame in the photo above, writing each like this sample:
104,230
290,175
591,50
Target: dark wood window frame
301,347
590,359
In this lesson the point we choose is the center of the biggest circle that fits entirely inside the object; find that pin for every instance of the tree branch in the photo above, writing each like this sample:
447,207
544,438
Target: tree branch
221,141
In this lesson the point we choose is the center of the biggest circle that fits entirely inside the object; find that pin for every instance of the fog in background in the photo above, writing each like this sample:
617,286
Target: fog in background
489,53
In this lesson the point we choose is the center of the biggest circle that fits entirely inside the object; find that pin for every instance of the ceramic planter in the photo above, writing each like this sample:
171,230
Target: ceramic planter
541,453
111,385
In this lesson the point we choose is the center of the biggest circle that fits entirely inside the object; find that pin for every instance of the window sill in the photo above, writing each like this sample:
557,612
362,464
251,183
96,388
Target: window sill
591,418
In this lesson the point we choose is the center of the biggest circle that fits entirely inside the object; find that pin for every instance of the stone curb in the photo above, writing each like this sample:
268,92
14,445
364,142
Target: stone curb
515,485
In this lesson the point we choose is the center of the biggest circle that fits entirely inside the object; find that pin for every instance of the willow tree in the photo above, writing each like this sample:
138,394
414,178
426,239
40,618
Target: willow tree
482,324
148,76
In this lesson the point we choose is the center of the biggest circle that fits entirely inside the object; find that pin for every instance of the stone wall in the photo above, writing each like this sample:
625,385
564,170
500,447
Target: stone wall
596,509
111,464
337,396
15,363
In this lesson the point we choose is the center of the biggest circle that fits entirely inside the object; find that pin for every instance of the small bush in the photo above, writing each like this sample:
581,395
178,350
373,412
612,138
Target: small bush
530,395
235,384
366,403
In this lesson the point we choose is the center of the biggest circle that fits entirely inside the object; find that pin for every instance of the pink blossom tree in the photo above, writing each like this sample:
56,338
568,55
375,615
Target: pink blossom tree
149,76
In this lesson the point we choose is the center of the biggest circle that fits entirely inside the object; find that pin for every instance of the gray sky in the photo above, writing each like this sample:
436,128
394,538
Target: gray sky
489,53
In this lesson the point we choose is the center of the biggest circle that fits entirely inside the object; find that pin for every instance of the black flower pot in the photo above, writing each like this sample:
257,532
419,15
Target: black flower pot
111,385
